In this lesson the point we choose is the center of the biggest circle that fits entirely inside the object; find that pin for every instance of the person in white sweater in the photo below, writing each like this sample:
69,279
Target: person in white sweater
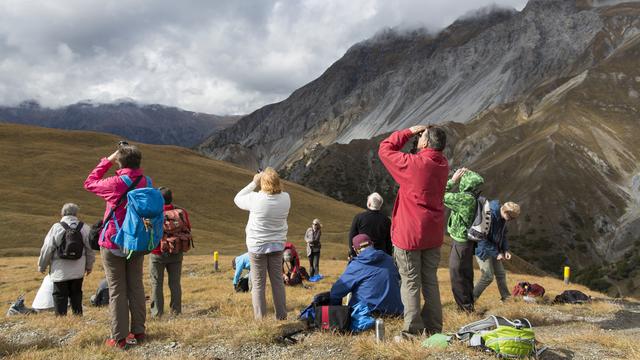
266,235
67,274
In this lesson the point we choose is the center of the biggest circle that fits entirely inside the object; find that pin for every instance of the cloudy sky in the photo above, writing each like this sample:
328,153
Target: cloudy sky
222,57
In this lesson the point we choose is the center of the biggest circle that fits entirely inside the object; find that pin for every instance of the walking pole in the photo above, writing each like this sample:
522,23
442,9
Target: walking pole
215,261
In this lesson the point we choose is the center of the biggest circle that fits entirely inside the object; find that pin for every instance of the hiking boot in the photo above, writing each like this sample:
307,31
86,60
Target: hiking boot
135,339
117,344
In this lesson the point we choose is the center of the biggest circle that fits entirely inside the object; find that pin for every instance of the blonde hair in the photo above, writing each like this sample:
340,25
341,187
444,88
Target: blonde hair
270,182
512,209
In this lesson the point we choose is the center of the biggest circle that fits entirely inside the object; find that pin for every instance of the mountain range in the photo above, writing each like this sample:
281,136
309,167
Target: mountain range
543,102
148,123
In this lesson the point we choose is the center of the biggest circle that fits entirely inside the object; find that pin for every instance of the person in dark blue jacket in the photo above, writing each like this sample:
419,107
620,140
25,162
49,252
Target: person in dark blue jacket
491,252
372,279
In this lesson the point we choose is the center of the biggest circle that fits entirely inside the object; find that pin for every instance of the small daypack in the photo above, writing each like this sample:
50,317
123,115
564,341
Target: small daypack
572,297
142,228
524,288
333,318
72,244
511,339
479,230
177,235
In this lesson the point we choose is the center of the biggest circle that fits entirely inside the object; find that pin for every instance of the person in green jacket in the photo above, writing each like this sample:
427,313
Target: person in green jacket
463,209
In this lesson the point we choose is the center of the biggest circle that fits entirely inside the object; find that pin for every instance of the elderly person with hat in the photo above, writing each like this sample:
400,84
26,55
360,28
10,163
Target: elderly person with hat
372,279
312,238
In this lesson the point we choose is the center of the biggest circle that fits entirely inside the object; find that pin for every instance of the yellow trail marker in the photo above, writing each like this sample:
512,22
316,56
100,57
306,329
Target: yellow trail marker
567,274
215,261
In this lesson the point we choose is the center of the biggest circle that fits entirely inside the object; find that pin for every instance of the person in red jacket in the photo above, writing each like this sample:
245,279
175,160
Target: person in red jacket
124,276
417,222
168,255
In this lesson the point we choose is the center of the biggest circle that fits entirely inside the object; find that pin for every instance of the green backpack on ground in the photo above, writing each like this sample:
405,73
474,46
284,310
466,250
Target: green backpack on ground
508,339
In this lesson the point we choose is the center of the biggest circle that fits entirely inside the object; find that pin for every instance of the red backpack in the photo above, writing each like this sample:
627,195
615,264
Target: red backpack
526,289
177,234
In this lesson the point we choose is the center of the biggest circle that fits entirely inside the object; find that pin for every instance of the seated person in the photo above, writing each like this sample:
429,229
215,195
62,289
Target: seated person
292,272
239,264
372,279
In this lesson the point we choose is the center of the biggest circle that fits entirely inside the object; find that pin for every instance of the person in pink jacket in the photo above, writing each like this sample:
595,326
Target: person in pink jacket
417,222
124,276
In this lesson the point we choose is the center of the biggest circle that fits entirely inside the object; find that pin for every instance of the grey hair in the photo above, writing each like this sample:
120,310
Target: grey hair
70,209
374,201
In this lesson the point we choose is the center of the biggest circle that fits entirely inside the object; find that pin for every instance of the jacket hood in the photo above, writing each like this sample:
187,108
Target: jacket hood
470,181
370,256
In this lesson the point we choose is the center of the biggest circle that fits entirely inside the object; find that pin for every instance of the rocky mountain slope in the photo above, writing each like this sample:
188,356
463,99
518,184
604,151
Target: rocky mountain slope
568,153
397,78
153,124
545,103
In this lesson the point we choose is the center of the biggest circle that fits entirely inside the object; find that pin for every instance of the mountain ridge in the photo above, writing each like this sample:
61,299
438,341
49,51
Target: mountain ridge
148,123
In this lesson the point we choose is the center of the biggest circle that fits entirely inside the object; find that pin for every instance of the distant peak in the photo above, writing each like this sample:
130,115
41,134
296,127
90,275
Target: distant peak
29,104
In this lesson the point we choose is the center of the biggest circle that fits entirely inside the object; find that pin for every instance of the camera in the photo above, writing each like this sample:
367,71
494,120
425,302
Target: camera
414,146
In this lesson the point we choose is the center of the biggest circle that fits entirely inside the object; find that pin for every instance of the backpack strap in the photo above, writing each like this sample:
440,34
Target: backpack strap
149,183
64,225
126,179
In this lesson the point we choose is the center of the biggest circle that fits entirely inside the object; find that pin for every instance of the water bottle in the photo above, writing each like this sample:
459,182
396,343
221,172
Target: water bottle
379,330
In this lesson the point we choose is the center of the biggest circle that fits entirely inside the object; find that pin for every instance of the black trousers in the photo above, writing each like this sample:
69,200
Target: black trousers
314,263
461,273
63,291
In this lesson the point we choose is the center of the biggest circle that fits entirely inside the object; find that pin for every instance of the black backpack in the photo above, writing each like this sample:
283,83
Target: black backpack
572,297
333,318
72,244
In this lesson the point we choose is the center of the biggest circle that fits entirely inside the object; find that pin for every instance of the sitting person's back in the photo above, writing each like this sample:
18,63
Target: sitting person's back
372,278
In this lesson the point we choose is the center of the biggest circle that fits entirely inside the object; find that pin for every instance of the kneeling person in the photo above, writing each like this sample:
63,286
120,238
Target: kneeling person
372,279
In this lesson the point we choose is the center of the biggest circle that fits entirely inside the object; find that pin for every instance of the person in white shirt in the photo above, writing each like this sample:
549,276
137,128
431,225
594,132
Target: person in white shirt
266,234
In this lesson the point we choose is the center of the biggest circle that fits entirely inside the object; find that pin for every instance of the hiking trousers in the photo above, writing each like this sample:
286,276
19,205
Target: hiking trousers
172,263
461,274
419,275
490,268
126,293
314,263
65,291
263,265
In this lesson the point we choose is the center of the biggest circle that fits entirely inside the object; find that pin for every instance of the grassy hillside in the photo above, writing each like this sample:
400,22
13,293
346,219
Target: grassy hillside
47,168
44,168
217,323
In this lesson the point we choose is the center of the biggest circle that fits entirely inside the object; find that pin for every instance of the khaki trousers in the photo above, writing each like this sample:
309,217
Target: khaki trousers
262,265
157,265
419,275
490,268
126,293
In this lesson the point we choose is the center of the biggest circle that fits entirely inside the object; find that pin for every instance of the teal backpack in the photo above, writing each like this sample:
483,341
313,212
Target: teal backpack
508,339
141,230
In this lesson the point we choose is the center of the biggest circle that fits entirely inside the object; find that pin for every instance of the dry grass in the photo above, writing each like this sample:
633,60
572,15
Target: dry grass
47,167
215,315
